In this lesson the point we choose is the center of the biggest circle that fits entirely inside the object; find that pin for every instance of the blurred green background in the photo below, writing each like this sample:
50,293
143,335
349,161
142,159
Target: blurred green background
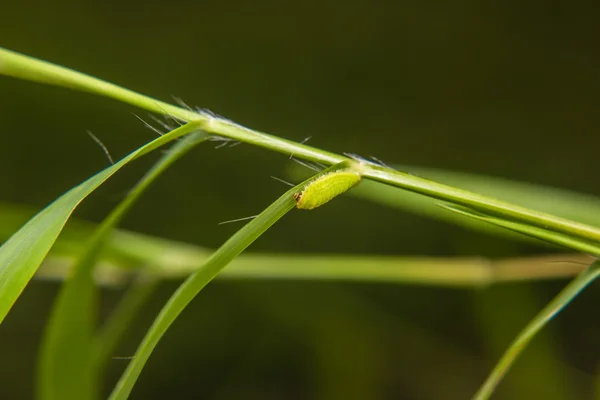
509,89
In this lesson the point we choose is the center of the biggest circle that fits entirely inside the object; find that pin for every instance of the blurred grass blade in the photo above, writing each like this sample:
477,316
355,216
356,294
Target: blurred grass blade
453,272
67,368
204,274
107,340
536,324
126,252
533,231
22,254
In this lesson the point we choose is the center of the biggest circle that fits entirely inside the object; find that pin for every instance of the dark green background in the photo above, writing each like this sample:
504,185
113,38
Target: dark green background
510,89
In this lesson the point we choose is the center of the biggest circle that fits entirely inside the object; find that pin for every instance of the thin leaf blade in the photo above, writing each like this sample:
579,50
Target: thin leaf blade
21,255
68,367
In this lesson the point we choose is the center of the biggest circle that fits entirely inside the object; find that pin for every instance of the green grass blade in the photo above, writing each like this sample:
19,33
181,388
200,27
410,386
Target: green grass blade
29,68
195,282
533,231
66,368
538,322
22,254
542,372
481,203
565,204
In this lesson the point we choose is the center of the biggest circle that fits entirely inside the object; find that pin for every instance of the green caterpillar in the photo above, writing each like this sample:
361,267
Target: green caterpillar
325,188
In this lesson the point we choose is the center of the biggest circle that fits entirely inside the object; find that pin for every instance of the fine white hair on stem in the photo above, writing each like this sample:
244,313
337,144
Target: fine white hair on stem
221,145
235,143
148,125
123,357
282,181
306,139
102,146
359,158
177,120
210,116
214,118
206,112
162,123
378,161
217,138
179,101
238,220
225,141
307,165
